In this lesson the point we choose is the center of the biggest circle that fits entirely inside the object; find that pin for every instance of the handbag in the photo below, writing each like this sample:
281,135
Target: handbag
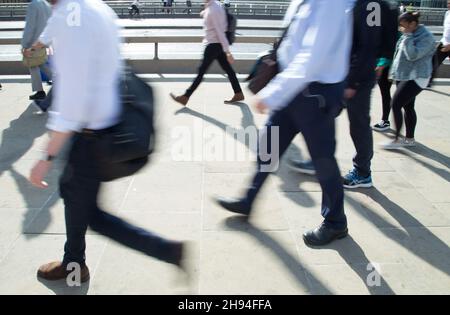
124,148
38,57
267,66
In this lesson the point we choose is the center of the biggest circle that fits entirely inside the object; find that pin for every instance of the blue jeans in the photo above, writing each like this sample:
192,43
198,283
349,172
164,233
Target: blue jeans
312,112
79,187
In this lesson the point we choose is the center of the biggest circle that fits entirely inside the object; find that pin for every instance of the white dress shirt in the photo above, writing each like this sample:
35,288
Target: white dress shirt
446,38
87,65
315,49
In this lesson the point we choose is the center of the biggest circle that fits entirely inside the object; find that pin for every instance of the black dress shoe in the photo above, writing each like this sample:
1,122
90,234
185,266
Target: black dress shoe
38,96
234,205
323,235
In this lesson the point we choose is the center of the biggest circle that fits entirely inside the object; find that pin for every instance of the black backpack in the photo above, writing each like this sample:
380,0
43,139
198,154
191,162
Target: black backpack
125,148
231,29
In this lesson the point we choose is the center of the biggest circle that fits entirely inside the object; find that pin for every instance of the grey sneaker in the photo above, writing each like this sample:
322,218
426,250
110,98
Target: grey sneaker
38,108
399,143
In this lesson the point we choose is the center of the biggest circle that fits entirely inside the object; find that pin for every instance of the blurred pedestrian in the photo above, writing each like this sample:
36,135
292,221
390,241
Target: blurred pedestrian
217,48
305,96
87,105
390,37
443,48
411,70
38,12
135,9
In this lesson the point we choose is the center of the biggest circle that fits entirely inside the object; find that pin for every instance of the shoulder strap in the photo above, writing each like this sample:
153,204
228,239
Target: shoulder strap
277,44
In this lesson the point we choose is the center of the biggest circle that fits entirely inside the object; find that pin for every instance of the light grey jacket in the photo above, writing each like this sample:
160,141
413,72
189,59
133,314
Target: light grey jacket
413,56
38,12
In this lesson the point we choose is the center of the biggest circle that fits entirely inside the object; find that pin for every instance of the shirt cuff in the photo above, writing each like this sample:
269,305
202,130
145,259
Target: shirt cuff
45,40
271,98
59,124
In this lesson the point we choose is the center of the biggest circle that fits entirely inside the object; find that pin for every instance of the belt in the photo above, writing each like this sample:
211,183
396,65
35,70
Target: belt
95,132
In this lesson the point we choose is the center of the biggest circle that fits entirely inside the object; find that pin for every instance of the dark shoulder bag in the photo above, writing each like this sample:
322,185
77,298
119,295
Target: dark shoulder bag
124,148
267,66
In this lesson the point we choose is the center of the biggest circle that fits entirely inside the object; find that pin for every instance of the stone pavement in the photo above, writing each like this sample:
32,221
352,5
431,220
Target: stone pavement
402,226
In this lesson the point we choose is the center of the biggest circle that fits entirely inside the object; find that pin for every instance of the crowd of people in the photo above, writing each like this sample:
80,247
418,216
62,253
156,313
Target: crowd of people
308,92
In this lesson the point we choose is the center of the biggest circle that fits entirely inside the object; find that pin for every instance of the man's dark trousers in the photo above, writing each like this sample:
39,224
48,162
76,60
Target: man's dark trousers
312,113
358,109
438,58
214,52
79,188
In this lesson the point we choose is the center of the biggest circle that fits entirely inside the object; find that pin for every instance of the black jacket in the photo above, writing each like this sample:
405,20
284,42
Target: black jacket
367,45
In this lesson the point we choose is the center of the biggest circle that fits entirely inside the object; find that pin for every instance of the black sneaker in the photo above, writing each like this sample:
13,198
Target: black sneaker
238,206
382,126
38,96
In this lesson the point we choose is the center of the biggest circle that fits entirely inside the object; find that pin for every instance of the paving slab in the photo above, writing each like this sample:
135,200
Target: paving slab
401,227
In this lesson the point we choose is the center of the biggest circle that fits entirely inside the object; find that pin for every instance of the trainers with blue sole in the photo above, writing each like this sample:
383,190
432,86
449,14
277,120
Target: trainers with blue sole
354,180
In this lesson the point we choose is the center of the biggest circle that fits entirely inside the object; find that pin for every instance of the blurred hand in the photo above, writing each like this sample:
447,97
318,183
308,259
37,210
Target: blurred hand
379,71
27,52
260,106
230,58
446,48
349,93
38,173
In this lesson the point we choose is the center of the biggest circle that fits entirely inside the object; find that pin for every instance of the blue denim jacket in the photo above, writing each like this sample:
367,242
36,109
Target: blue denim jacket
413,56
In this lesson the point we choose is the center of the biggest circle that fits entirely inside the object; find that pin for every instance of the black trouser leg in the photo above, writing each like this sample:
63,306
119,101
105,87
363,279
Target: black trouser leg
438,58
403,97
318,128
312,112
223,61
209,55
79,193
358,109
410,118
278,134
385,88
79,188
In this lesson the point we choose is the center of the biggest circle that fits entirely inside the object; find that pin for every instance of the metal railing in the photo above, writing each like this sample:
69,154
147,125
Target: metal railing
247,9
172,39
155,8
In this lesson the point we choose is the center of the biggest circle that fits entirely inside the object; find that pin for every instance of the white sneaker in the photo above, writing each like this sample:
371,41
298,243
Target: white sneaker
399,143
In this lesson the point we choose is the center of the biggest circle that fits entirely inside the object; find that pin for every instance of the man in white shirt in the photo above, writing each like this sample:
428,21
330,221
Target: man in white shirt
443,49
88,65
305,97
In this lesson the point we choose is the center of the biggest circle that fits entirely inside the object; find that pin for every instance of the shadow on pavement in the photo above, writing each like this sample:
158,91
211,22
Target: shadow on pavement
291,263
247,120
431,250
16,141
60,287
350,251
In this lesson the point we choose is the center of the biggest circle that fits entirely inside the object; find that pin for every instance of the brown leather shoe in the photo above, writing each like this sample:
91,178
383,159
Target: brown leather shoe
182,99
57,271
236,98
